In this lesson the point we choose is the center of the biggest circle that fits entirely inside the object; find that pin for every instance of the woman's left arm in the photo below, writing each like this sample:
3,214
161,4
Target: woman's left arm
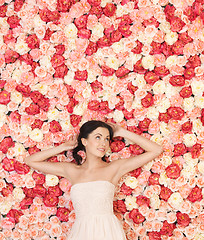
152,150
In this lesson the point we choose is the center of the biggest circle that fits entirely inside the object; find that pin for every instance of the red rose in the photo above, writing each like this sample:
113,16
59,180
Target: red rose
136,216
104,109
183,219
39,190
60,49
167,228
109,10
119,206
75,119
161,71
27,58
125,19
144,124
53,16
61,71
36,96
13,21
25,90
107,71
155,48
5,97
37,124
126,189
128,114
165,193
63,214
173,171
187,127
29,192
84,33
3,10
176,24
147,101
117,146
33,41
96,86
103,42
178,47
18,5
176,113
132,88
48,34
189,73
122,72
57,60
177,80
138,48
154,235
38,177
125,30
50,200
195,150
135,149
134,129
136,172
7,190
179,149
33,109
142,200
154,179
190,13
166,49
54,190
94,2
53,159
21,168
33,150
81,22
186,92
96,10
5,144
14,215
55,126
169,11
94,105
91,48
26,202
9,38
193,61
2,83
64,5
120,104
81,75
138,68
15,117
70,90
70,106
151,77
184,37
195,194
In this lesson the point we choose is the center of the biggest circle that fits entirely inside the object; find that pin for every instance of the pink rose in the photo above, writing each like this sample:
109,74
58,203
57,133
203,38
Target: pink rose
169,11
84,33
57,60
63,214
75,120
132,88
5,144
33,41
14,215
15,117
60,49
154,235
8,164
119,206
48,34
195,150
28,59
10,56
96,10
55,126
173,171
13,21
162,71
18,5
25,90
21,168
136,216
38,177
193,61
178,47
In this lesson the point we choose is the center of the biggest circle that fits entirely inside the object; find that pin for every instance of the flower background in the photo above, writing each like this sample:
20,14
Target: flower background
138,63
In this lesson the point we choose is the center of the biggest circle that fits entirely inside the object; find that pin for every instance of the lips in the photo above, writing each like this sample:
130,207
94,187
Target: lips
101,149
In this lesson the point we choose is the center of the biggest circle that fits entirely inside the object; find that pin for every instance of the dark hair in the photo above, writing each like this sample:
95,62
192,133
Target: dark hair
85,130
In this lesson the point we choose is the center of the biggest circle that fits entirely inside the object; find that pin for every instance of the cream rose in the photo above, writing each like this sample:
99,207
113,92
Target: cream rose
21,47
171,38
36,135
188,104
118,116
130,202
53,114
69,77
113,62
197,87
164,128
131,182
18,194
171,61
148,62
42,88
118,46
175,200
164,180
19,149
98,30
70,30
199,101
163,105
159,87
190,139
201,167
51,180
155,201
5,206
16,97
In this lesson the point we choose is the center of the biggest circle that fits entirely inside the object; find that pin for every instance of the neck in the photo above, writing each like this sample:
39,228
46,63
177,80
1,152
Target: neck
92,162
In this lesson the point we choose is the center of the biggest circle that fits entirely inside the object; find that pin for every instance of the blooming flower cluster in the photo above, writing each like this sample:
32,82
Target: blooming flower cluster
139,63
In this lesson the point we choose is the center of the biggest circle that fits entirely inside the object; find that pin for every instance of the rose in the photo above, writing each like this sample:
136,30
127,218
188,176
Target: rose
81,75
104,42
125,30
120,105
60,49
132,88
179,149
190,13
169,11
57,60
117,146
115,36
195,194
32,109
54,190
51,180
128,114
70,90
144,124
37,124
94,105
176,24
193,61
81,22
177,80
156,48
48,16
167,228
48,34
18,5
33,41
164,117
84,33
122,72
91,48
107,71
8,164
14,215
148,100
126,189
138,67
61,71
154,235
5,144
195,150
7,190
15,117
9,38
96,10
187,127
33,150
39,190
142,200
2,83
70,106
25,90
166,49
75,120
178,47
21,168
63,214
183,219
5,97
136,172
165,193
138,48
26,202
173,171
186,92
96,86
109,10
151,77
119,206
135,149
13,21
55,126
50,200
29,192
38,177
189,73
176,113
3,10
136,216
10,56
154,179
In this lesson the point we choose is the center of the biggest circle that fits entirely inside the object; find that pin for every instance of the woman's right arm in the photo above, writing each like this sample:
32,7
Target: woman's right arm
38,160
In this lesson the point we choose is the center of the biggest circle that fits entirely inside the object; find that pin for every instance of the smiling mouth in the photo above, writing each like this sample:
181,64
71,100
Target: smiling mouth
101,149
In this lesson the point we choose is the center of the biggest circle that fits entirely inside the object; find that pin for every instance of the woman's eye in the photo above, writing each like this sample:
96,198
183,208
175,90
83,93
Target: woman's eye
97,137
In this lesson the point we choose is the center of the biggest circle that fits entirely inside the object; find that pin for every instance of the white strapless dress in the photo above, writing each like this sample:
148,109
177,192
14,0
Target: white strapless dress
93,205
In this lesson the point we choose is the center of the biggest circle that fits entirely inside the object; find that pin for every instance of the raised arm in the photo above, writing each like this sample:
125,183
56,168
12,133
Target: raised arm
152,150
38,160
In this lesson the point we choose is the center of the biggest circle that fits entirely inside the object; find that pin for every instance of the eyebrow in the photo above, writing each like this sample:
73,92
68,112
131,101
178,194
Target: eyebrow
101,134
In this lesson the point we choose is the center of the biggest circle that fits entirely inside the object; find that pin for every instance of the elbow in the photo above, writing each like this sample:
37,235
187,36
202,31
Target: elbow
160,150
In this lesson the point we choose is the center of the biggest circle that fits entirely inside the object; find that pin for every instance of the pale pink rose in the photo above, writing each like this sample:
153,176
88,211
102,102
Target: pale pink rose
10,85
40,71
125,153
91,21
140,231
174,124
147,225
159,36
146,49
178,234
7,224
81,44
76,10
173,186
83,64
156,226
179,161
150,215
65,185
158,167
176,137
27,78
185,206
154,126
138,190
161,215
5,130
195,29
75,55
57,37
192,182
36,54
55,230
33,231
200,181
29,143
34,209
16,179
189,49
159,59
176,70
47,226
199,71
2,61
194,113
171,217
23,222
190,232
105,21
42,216
65,18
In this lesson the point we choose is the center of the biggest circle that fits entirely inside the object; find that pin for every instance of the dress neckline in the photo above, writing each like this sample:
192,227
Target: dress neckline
93,182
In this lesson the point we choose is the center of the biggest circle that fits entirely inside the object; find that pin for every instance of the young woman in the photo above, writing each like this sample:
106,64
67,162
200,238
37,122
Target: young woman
94,180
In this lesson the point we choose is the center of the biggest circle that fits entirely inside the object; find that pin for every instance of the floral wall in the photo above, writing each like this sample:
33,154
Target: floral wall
138,63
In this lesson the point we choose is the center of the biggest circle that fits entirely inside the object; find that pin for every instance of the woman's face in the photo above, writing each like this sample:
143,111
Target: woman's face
97,142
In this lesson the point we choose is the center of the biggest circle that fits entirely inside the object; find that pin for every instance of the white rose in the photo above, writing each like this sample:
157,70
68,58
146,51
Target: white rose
87,92
51,180
42,88
91,76
139,81
3,117
70,30
36,135
157,138
16,75
189,139
97,30
118,116
159,87
80,109
188,104
171,38
130,202
69,77
163,105
152,113
164,180
171,61
189,160
175,200
165,26
137,104
113,62
3,108
197,87
5,207
188,171
21,47
37,21
45,62
25,129
19,149
16,97
201,167
199,101
53,114
18,194
66,125
164,128
121,10
148,62
131,182
118,46
197,126
170,91
155,201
